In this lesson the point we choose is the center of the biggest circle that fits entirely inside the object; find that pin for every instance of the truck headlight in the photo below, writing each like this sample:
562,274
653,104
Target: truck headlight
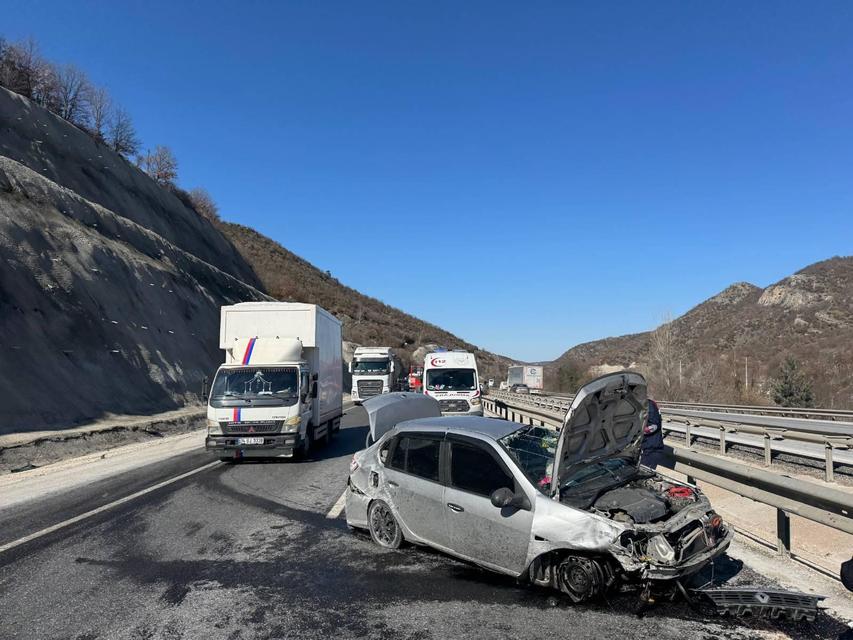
292,424
213,428
474,401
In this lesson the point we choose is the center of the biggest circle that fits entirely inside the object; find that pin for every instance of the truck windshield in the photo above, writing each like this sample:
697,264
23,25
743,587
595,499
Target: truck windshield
377,367
274,385
451,380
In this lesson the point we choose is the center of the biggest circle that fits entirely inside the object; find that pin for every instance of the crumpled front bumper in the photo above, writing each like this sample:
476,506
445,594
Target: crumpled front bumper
692,565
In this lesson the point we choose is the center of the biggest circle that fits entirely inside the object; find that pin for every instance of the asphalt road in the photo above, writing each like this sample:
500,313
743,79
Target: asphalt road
247,551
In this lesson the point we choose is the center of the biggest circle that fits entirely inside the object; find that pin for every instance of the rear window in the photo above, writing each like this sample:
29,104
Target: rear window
418,456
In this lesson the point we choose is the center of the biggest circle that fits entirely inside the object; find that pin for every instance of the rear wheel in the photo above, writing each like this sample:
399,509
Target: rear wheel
383,526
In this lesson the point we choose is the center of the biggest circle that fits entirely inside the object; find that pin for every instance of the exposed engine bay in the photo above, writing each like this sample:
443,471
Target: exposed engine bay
649,499
668,523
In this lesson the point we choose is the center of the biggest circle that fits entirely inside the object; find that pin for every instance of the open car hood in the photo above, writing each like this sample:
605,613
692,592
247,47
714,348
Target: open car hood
389,409
606,419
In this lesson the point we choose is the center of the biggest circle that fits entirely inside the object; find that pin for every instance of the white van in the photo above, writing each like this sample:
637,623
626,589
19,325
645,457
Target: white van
451,378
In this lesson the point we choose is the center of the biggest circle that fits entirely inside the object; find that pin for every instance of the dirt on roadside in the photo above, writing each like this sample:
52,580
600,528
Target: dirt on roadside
20,452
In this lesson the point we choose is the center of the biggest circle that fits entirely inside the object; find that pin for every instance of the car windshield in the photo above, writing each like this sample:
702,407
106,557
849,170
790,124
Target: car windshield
451,380
581,487
370,366
533,450
269,383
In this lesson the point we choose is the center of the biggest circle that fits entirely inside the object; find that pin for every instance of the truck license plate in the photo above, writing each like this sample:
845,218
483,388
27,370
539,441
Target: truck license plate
250,440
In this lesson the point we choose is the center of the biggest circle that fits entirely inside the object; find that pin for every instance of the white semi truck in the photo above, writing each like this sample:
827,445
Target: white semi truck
280,388
374,372
531,375
451,378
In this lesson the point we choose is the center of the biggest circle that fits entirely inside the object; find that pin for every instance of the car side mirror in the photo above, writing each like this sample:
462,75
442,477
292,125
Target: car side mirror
505,497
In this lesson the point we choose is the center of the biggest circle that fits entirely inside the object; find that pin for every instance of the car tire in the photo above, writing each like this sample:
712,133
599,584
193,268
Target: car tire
383,526
580,578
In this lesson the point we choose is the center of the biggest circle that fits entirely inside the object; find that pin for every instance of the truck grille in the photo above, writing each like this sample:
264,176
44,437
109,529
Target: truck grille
230,428
369,388
454,406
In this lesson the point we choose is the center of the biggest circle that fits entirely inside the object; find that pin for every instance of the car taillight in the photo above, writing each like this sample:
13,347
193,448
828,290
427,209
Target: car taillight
353,465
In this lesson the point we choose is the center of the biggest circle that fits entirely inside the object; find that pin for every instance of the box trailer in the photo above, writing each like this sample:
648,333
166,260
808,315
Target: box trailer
531,375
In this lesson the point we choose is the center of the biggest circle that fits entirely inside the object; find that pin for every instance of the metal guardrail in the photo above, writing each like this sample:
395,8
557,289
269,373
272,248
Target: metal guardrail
824,505
772,431
832,415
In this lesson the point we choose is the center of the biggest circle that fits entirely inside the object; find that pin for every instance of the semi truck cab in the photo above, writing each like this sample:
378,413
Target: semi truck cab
373,372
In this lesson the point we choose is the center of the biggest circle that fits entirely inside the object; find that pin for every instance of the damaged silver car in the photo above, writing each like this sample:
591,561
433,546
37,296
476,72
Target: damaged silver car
570,509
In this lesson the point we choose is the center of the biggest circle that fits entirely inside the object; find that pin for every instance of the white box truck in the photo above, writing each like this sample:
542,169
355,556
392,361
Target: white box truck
451,378
280,388
531,375
374,372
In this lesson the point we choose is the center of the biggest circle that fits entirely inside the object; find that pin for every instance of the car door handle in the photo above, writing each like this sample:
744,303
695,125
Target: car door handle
391,483
455,507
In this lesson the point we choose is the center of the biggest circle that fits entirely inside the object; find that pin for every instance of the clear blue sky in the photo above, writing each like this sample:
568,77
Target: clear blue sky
527,175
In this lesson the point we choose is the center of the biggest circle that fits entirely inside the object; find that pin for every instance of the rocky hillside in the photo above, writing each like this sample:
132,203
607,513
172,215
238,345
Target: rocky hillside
367,321
808,315
111,285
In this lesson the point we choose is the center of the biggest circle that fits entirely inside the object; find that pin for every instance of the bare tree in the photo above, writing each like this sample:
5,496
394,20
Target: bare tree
100,112
72,94
203,204
160,165
665,361
24,71
122,134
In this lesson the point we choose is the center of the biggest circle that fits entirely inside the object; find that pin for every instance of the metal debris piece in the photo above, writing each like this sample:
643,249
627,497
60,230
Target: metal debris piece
759,602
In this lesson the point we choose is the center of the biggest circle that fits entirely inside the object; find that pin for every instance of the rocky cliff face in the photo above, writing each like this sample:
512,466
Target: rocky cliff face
110,287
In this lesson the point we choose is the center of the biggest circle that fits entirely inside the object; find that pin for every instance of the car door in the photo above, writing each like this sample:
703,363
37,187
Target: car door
477,530
412,479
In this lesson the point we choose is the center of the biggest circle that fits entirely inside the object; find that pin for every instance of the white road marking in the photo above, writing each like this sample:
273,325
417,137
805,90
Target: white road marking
93,512
338,507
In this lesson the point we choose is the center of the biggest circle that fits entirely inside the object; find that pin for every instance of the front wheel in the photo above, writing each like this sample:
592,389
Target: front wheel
383,526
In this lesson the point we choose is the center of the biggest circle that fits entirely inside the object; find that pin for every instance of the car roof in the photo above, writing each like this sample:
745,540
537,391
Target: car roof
493,428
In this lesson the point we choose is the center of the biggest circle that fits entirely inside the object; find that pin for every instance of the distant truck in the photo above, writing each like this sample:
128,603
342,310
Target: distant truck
374,372
531,376
280,388
451,378
415,380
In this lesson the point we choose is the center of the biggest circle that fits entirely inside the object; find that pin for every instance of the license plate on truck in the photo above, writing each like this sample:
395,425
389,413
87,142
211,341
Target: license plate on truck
250,440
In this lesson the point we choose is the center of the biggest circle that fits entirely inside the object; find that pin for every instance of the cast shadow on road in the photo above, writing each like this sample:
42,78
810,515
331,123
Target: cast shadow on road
345,443
328,568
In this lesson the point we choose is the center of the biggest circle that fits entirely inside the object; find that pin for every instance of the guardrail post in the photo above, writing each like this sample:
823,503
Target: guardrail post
830,470
687,437
768,451
783,533
722,441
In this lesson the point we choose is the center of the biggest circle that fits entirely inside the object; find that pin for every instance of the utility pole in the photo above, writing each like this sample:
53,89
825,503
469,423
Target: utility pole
746,373
680,376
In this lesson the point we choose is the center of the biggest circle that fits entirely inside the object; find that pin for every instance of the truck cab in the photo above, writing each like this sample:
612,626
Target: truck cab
451,378
373,372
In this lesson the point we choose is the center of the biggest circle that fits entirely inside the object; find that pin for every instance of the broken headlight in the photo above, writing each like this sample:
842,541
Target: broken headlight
660,550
